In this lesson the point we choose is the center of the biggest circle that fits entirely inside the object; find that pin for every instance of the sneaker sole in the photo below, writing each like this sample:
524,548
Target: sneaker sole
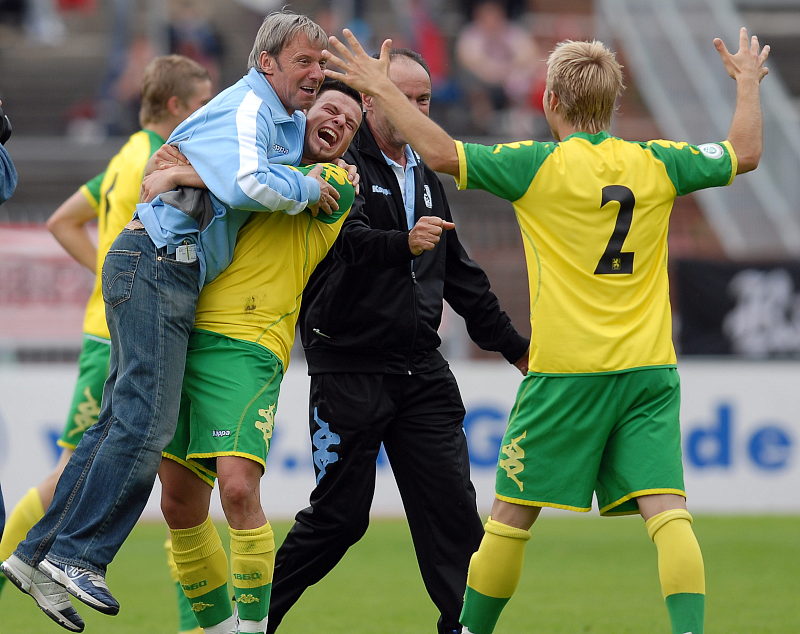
60,577
37,596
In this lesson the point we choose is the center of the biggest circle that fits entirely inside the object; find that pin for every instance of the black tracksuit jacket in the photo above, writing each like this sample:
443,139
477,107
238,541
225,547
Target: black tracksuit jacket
372,307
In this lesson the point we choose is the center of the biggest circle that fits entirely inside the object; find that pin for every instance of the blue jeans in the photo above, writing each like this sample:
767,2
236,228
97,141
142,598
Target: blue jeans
150,308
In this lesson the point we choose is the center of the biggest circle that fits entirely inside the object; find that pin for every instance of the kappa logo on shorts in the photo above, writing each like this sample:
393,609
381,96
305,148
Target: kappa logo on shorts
219,433
267,425
513,464
87,414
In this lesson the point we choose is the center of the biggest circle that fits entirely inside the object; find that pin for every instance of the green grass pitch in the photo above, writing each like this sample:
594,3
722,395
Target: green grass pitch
582,575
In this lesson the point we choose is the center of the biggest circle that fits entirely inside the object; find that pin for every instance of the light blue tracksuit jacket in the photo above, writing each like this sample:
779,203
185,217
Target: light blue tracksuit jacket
240,143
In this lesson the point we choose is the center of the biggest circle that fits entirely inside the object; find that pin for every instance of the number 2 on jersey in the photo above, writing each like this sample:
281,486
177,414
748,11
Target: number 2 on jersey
614,261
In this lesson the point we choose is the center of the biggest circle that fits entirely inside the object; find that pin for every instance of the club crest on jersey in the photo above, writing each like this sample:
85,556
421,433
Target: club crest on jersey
712,150
427,197
279,149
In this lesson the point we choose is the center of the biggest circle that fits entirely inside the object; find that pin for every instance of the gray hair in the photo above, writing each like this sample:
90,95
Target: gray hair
278,29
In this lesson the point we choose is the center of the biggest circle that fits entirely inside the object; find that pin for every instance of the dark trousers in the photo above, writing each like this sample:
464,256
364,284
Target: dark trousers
418,418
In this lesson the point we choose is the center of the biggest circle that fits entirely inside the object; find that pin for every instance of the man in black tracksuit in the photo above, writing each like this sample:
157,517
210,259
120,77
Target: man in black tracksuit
369,325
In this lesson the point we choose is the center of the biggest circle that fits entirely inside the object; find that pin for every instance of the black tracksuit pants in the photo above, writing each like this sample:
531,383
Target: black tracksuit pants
418,418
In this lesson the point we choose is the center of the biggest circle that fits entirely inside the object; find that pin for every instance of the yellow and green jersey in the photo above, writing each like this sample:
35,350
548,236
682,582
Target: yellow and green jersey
594,215
114,194
257,297
91,191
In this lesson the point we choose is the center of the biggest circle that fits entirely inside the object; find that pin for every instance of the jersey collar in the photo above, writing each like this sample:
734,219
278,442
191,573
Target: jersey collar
594,139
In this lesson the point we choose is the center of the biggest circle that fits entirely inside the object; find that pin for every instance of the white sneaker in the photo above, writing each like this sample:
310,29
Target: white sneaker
51,597
86,585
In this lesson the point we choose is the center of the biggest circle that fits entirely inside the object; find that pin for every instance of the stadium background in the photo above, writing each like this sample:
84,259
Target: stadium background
735,276
68,91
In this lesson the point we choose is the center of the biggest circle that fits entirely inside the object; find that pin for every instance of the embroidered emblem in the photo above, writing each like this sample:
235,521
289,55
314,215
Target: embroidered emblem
322,440
87,414
268,424
513,464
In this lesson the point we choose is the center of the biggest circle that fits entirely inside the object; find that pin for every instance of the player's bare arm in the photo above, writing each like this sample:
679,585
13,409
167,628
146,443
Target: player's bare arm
371,76
69,225
746,66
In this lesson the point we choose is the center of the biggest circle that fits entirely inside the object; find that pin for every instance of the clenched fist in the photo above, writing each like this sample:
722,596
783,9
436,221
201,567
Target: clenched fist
425,235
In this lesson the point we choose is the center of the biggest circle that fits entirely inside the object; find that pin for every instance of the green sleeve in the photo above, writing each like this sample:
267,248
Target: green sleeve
506,169
693,167
337,177
91,190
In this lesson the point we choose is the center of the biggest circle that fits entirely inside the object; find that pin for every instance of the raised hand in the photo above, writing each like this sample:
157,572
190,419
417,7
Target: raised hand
358,70
748,62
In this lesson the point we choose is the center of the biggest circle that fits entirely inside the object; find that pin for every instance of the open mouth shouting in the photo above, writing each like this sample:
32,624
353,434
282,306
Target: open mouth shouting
328,136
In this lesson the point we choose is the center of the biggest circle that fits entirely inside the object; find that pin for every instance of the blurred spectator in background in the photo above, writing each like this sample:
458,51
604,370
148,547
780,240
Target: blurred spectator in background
514,8
335,15
423,33
181,27
40,18
190,33
501,69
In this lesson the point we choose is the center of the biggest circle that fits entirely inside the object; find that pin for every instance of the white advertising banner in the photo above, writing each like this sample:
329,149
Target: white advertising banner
741,435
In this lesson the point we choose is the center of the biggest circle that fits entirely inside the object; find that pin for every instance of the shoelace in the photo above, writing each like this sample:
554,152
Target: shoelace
95,579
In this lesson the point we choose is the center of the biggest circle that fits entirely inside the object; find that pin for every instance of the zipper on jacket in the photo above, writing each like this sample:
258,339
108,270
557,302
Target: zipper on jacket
414,318
317,331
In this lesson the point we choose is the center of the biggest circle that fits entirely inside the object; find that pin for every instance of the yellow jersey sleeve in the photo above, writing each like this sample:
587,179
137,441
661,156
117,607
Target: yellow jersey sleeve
116,196
594,214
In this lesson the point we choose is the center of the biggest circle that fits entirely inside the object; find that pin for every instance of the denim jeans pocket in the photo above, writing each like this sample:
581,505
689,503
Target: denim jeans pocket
119,270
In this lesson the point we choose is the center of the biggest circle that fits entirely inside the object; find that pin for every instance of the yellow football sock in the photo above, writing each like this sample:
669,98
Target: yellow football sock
494,573
26,513
203,572
680,569
252,565
187,623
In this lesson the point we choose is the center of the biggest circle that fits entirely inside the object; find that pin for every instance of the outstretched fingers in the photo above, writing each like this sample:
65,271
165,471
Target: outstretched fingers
355,67
355,45
334,59
743,38
764,54
748,60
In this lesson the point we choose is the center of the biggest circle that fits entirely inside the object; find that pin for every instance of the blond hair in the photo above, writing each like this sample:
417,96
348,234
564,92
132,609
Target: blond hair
166,77
587,79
